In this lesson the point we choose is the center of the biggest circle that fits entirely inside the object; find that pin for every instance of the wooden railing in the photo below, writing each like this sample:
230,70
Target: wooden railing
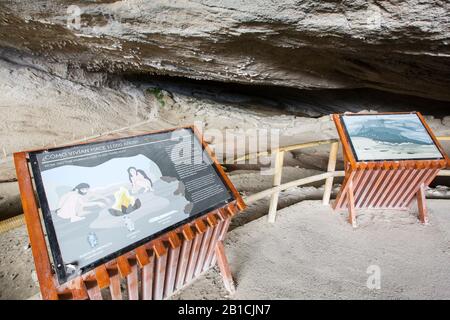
277,187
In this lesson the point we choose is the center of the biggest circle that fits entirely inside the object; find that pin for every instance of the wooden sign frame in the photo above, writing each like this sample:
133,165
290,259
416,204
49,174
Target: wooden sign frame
379,184
153,270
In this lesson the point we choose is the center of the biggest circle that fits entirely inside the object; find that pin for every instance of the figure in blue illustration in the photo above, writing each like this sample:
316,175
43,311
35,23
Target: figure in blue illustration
92,239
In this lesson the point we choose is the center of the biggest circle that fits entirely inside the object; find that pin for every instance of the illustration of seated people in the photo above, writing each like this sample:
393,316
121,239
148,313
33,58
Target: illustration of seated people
140,195
98,208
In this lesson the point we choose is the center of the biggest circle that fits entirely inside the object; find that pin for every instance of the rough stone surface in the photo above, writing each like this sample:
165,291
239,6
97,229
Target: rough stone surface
309,253
400,46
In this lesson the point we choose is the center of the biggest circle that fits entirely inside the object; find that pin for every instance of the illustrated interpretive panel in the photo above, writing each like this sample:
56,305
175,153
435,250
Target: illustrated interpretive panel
102,199
389,137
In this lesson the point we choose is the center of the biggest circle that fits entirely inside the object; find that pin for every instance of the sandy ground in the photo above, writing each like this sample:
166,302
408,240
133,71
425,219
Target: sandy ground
310,252
18,279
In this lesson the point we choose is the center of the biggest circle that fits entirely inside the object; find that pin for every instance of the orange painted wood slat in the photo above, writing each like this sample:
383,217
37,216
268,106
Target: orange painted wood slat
204,246
226,220
423,214
224,268
172,263
160,270
102,277
431,177
185,252
362,185
114,287
339,202
213,243
403,189
133,282
93,290
351,205
47,282
142,256
360,173
230,210
367,203
383,189
200,229
124,266
203,250
225,225
240,204
420,174
397,179
147,279
366,191
430,173
78,289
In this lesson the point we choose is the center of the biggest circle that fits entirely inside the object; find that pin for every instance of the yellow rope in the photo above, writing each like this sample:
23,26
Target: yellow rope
11,223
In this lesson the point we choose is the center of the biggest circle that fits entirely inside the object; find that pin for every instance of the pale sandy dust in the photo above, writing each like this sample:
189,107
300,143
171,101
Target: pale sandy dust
312,253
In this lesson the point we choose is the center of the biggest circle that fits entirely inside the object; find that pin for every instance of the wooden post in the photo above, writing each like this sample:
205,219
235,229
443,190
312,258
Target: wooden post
423,214
160,269
78,289
224,267
351,204
93,291
185,252
102,277
132,282
279,157
200,229
203,249
172,263
147,278
44,272
331,167
114,287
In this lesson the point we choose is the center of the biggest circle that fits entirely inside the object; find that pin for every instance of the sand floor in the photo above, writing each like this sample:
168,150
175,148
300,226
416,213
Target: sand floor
309,253
312,253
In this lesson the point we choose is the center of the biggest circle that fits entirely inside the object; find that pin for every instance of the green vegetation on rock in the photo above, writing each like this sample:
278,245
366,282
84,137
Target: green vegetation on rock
159,95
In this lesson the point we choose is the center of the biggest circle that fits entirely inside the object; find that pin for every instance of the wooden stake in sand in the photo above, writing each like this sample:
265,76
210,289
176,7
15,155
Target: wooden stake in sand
331,167
279,158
